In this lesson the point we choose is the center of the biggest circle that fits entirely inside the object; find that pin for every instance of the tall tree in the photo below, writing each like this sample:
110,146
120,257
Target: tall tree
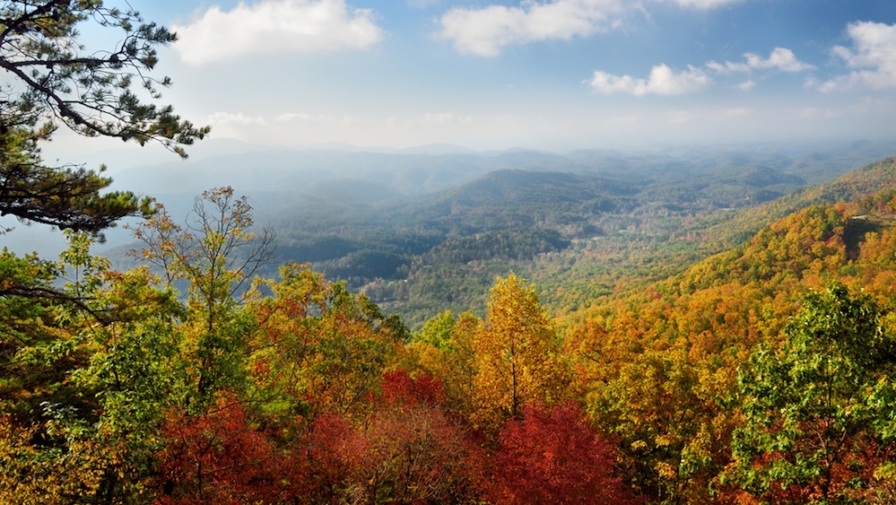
516,354
216,254
63,350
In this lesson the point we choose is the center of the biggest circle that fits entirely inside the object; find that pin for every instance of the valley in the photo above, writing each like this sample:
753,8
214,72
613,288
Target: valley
421,233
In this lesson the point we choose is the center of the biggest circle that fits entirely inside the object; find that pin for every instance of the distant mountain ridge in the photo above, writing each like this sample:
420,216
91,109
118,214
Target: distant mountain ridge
563,228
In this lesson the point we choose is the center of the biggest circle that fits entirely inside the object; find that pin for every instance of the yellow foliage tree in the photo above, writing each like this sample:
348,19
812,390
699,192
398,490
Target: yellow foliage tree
516,355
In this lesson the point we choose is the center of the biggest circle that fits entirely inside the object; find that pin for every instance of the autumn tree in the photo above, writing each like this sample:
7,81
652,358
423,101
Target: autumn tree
83,402
118,352
318,466
443,348
413,451
516,355
317,348
672,433
59,385
551,455
215,458
408,450
216,254
818,407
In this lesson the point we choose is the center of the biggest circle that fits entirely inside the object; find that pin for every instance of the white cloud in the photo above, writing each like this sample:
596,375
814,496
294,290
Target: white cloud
873,56
228,119
485,31
780,59
234,125
746,85
662,81
276,27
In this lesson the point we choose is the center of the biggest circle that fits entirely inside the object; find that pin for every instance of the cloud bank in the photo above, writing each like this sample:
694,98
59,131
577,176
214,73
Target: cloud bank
276,27
665,81
873,55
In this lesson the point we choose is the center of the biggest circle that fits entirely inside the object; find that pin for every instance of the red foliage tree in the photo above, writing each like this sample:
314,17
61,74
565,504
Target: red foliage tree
409,450
414,451
552,456
215,458
318,467
399,388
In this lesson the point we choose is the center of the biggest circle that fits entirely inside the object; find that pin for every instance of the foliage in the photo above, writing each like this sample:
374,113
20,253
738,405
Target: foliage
87,367
444,349
319,349
671,432
413,451
190,381
516,355
701,325
206,255
552,456
811,431
52,78
217,457
94,387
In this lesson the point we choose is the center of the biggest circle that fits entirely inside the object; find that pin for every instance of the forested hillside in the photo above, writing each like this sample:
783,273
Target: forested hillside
415,254
760,373
387,223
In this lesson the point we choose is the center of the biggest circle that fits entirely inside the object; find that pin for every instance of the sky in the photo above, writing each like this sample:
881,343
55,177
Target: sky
543,74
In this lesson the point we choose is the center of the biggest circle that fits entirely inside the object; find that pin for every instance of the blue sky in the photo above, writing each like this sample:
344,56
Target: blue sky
547,74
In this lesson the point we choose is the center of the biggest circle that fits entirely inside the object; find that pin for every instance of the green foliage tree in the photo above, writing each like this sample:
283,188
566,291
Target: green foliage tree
215,253
88,384
816,407
76,363
52,79
118,352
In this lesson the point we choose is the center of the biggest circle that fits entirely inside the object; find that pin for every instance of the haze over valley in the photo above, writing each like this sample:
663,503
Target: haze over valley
399,225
